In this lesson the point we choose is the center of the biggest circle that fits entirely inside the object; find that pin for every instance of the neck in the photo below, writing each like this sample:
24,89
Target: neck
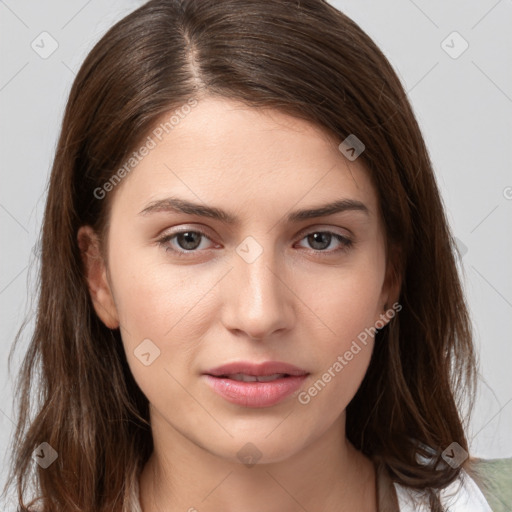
328,474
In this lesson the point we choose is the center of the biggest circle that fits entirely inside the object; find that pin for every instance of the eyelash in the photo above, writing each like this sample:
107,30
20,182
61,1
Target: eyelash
346,243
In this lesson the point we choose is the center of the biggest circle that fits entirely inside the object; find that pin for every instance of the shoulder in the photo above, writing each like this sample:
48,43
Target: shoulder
492,482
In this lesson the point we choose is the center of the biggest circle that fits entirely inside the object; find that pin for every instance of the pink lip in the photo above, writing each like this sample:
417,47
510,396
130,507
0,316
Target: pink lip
261,369
255,394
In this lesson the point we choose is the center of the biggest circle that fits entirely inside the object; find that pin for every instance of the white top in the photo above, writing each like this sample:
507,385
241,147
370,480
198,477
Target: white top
462,495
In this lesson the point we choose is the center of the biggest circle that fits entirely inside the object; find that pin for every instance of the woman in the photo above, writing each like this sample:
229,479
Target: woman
248,295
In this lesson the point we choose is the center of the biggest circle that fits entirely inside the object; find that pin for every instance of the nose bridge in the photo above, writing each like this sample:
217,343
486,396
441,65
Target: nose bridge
257,301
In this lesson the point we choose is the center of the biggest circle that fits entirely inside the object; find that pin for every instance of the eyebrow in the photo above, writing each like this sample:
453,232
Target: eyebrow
177,205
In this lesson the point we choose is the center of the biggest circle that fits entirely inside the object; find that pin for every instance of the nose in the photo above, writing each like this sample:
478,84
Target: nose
258,298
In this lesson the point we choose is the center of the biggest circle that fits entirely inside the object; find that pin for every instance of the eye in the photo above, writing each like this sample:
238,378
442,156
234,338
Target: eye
321,240
189,241
182,242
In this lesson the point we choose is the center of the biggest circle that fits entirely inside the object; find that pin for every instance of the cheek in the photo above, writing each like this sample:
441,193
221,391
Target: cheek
157,302
346,303
150,293
346,300
342,353
167,304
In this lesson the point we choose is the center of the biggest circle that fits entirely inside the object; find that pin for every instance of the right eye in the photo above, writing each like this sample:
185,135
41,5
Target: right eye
183,242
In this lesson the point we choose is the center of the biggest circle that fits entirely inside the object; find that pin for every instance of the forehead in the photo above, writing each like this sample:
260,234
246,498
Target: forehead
223,152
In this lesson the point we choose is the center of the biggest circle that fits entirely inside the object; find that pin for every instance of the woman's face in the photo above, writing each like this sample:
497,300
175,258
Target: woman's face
253,281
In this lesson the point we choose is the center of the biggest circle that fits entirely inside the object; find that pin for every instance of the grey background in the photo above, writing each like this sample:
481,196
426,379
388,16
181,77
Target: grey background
463,105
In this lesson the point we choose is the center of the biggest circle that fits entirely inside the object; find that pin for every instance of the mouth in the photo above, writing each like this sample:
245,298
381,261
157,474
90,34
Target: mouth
266,369
255,385
243,377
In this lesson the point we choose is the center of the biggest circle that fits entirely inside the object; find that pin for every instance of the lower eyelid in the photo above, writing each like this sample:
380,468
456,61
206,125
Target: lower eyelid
346,243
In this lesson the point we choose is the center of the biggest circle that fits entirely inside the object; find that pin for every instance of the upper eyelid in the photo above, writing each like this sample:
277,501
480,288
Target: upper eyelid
172,234
302,234
306,230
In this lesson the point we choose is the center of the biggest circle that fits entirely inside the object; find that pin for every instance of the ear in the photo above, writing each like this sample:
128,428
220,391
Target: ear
391,287
96,275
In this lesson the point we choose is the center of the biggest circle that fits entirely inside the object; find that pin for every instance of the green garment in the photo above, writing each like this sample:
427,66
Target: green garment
496,482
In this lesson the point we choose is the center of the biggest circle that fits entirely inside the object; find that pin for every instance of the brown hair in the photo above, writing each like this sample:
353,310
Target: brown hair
308,60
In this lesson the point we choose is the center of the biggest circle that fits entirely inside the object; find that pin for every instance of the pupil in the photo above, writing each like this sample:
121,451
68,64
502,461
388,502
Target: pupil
191,240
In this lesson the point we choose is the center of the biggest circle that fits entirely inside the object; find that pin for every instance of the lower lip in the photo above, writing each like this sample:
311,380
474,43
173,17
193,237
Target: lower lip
255,394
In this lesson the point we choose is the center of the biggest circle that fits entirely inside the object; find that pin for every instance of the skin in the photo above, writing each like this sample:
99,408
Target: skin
298,302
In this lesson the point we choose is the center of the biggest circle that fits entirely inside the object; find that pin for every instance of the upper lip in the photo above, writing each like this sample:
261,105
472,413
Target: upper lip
256,369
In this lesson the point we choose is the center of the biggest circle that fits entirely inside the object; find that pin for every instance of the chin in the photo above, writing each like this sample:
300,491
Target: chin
258,447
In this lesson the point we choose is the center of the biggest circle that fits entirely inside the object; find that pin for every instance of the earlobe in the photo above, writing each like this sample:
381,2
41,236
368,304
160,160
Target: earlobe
391,291
95,270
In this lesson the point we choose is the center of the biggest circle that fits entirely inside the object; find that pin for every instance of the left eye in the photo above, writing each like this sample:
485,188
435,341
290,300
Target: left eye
189,241
321,240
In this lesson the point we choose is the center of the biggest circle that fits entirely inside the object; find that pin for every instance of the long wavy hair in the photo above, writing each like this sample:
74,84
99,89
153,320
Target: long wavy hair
308,60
